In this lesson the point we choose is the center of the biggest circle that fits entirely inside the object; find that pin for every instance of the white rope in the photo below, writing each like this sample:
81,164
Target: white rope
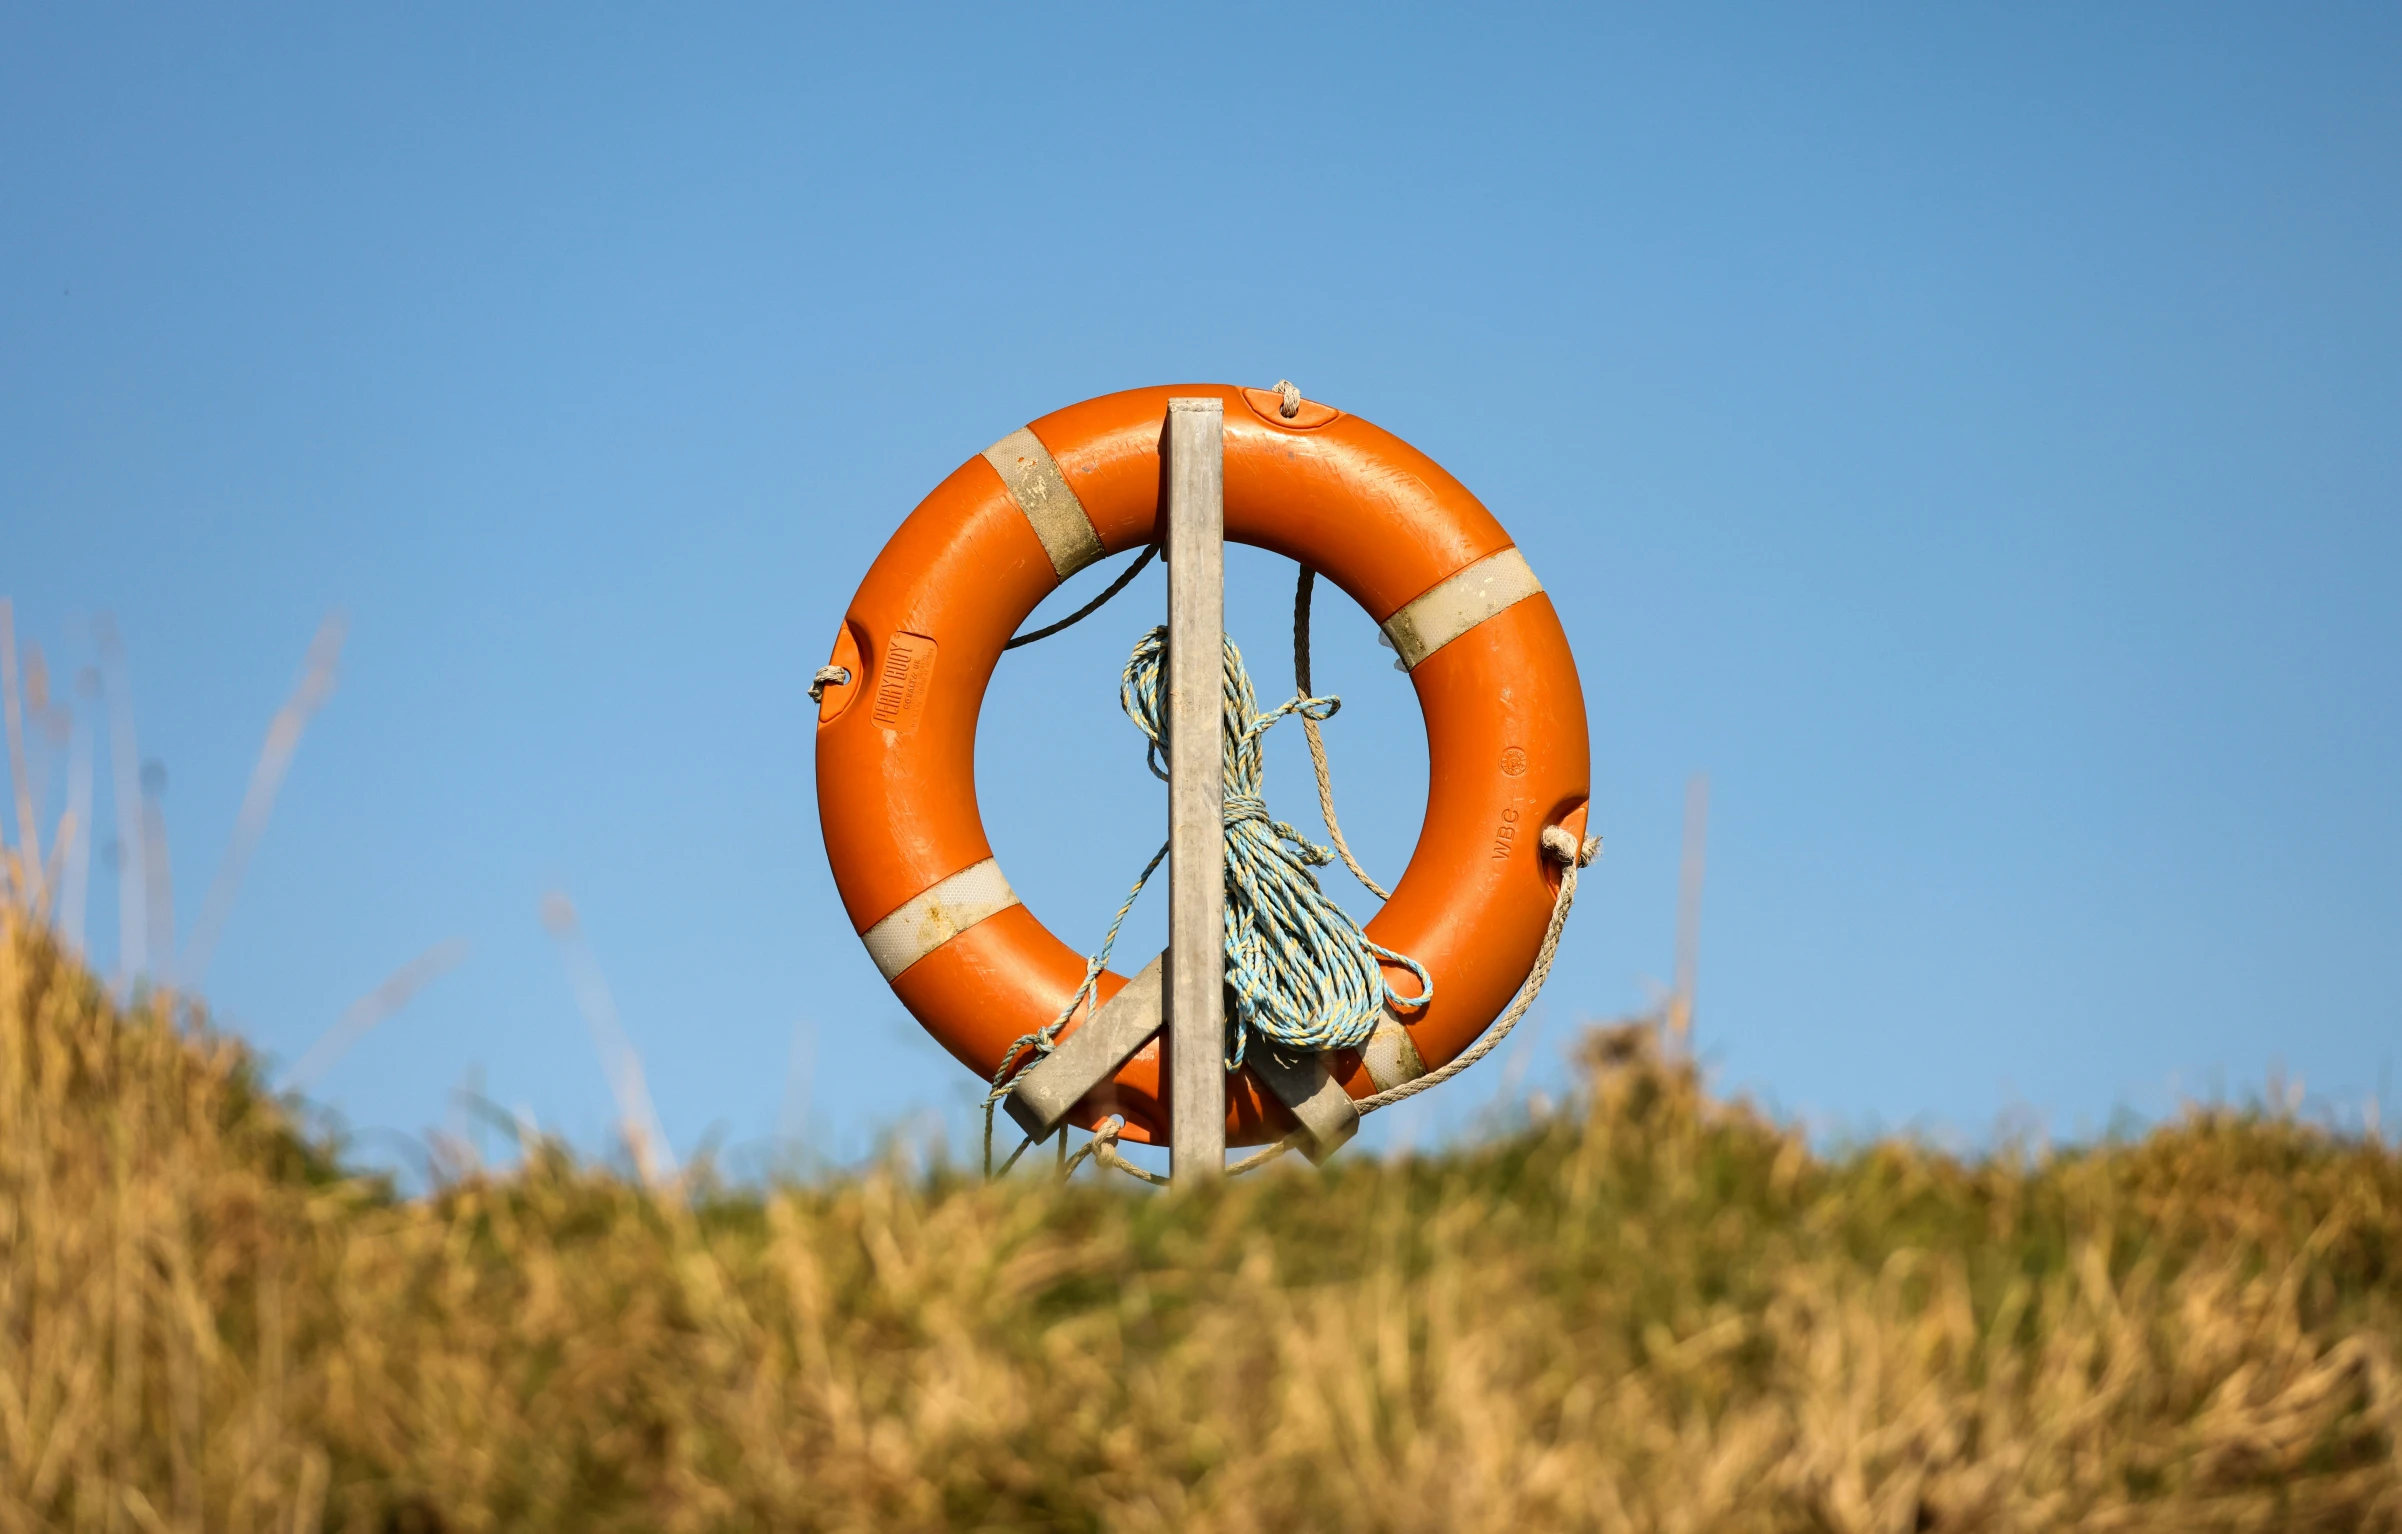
828,676
1103,1148
1562,847
1290,392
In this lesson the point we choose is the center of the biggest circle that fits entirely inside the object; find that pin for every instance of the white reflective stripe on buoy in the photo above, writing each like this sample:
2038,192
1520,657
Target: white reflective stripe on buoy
1042,493
928,920
1391,1056
1437,617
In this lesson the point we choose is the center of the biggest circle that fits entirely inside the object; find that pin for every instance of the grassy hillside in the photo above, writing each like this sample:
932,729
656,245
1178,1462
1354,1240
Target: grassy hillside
1647,1310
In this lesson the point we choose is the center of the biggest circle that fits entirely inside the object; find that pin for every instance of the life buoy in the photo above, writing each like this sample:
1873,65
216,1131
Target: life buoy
896,785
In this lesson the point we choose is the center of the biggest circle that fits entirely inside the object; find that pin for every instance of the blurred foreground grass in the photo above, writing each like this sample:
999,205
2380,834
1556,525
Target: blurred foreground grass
1645,1310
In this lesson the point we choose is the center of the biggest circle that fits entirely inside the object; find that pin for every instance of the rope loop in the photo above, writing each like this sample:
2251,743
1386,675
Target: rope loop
1291,394
1563,846
828,676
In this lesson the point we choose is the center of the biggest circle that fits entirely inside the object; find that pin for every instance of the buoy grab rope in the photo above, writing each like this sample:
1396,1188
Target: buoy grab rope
1561,846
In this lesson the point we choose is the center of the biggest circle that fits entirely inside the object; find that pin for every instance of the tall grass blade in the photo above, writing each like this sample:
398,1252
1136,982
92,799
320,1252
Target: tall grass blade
126,803
75,887
316,684
1688,908
396,991
20,777
636,1119
158,874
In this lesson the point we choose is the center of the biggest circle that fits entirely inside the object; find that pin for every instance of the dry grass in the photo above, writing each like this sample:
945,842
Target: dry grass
1647,1310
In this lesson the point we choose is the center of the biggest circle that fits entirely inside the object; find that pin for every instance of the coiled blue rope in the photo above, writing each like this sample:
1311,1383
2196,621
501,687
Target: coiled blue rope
1305,977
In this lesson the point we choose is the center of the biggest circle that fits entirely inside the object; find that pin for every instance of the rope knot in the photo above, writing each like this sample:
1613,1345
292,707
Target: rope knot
1563,846
1242,807
1246,810
1291,394
1103,1147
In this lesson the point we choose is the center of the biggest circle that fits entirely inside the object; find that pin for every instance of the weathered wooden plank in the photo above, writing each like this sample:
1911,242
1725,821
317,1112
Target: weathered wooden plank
1196,970
1305,1085
1090,1055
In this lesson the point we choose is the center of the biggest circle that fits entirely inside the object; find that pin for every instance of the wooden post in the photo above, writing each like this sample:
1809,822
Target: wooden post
1196,978
1185,986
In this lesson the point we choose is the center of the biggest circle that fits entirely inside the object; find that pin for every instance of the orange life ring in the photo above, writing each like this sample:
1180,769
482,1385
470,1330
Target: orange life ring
896,784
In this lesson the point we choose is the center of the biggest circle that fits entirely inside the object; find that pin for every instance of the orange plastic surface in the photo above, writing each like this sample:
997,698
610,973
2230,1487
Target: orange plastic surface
1504,714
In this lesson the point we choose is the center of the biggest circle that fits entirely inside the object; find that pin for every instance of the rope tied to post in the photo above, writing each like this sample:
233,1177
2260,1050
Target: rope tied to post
1103,1149
1305,976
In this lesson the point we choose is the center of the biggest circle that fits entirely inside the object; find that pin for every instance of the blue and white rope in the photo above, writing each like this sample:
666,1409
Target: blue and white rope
1305,977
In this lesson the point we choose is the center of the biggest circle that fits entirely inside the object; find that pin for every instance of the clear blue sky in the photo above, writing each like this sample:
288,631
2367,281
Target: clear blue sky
1974,439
